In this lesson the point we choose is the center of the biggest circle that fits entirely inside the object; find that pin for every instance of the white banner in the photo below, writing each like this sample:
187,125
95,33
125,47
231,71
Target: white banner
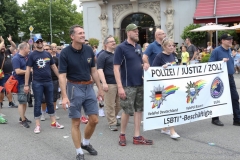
183,94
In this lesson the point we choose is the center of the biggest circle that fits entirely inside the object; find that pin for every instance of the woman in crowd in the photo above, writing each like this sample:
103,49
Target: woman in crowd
165,59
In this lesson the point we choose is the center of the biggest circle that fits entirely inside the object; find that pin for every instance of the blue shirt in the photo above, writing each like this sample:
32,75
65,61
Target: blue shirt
41,63
19,62
76,64
152,50
219,53
236,59
162,59
130,60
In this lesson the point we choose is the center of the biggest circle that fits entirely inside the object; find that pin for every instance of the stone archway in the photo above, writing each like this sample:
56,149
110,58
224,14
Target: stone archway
121,11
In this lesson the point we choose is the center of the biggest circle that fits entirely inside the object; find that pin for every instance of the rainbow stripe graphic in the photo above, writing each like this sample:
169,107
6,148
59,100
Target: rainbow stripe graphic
215,83
167,91
200,84
46,59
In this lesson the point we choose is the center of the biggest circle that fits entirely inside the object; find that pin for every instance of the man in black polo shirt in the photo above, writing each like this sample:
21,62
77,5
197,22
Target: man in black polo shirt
6,62
128,61
76,64
106,75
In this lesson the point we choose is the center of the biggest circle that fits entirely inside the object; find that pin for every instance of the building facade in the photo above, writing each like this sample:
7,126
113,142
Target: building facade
110,17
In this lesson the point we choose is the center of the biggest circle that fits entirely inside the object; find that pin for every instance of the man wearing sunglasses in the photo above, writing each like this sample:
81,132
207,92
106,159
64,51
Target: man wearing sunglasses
41,62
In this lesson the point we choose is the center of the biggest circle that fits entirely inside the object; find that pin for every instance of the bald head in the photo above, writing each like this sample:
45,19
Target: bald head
159,35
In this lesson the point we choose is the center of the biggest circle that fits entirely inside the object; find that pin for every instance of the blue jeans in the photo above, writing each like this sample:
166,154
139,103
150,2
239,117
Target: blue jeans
40,88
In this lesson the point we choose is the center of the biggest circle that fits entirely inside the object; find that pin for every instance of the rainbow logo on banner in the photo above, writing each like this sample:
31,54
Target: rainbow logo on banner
193,90
159,94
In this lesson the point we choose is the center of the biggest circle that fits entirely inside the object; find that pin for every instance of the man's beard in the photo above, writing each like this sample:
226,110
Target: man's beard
3,50
134,39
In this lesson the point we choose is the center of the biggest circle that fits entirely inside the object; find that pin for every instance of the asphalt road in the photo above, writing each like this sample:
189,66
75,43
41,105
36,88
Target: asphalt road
17,142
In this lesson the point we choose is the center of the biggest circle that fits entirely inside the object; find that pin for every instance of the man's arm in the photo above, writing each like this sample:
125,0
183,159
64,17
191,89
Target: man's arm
2,41
13,45
62,83
103,79
27,74
20,71
117,75
95,77
55,69
146,64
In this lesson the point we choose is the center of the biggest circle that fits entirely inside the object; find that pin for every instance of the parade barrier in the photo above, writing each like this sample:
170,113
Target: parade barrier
183,94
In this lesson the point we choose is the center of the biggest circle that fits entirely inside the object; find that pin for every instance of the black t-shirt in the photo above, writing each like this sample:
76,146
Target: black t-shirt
162,59
191,49
7,66
77,63
41,63
105,62
54,77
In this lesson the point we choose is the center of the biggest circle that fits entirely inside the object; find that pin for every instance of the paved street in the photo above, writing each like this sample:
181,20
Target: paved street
17,142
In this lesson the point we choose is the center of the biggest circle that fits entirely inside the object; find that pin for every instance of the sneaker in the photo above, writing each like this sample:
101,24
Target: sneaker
56,107
30,105
118,122
141,140
84,120
167,132
80,157
101,113
122,140
2,120
20,120
57,125
37,129
57,118
60,102
12,105
174,136
25,124
113,128
89,148
118,117
42,117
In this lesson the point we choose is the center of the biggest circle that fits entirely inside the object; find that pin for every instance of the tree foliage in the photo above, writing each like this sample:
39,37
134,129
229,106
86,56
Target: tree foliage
93,42
37,14
196,37
231,32
10,17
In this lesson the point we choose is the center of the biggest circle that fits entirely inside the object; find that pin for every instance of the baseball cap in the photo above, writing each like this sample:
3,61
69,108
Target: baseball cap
37,37
226,36
131,27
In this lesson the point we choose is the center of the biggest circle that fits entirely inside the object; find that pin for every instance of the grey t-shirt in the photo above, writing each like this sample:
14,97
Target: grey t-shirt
191,49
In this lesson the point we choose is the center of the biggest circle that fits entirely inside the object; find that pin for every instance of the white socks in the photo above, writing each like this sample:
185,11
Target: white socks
85,142
79,151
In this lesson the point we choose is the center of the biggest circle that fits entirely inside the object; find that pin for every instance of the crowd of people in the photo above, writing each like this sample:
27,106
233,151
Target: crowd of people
117,71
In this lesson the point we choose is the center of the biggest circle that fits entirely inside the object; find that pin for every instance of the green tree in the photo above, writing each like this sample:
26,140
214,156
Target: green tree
196,37
10,15
231,32
63,15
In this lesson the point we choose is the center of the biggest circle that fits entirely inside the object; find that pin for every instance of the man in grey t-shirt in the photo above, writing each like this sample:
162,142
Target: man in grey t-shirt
191,49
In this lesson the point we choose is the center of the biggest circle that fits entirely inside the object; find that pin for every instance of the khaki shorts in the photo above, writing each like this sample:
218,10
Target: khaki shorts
134,100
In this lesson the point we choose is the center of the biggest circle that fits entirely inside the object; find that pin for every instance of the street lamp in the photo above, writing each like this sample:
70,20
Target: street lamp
50,13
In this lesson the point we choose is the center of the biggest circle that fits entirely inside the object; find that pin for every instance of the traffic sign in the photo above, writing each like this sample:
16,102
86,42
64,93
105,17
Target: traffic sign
30,41
31,28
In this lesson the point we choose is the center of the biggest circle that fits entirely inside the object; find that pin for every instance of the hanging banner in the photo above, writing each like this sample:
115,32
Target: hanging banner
182,94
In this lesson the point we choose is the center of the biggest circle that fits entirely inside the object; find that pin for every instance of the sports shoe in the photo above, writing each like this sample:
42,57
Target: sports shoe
60,102
174,136
57,125
30,105
89,148
12,105
25,124
118,117
118,122
122,140
84,120
80,157
56,107
20,120
57,118
101,112
167,132
37,129
113,128
141,140
2,120
42,117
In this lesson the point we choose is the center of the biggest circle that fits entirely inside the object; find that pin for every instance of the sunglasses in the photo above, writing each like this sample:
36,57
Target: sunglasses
38,41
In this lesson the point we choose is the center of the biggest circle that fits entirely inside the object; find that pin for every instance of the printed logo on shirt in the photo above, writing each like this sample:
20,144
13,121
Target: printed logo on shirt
42,62
89,60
